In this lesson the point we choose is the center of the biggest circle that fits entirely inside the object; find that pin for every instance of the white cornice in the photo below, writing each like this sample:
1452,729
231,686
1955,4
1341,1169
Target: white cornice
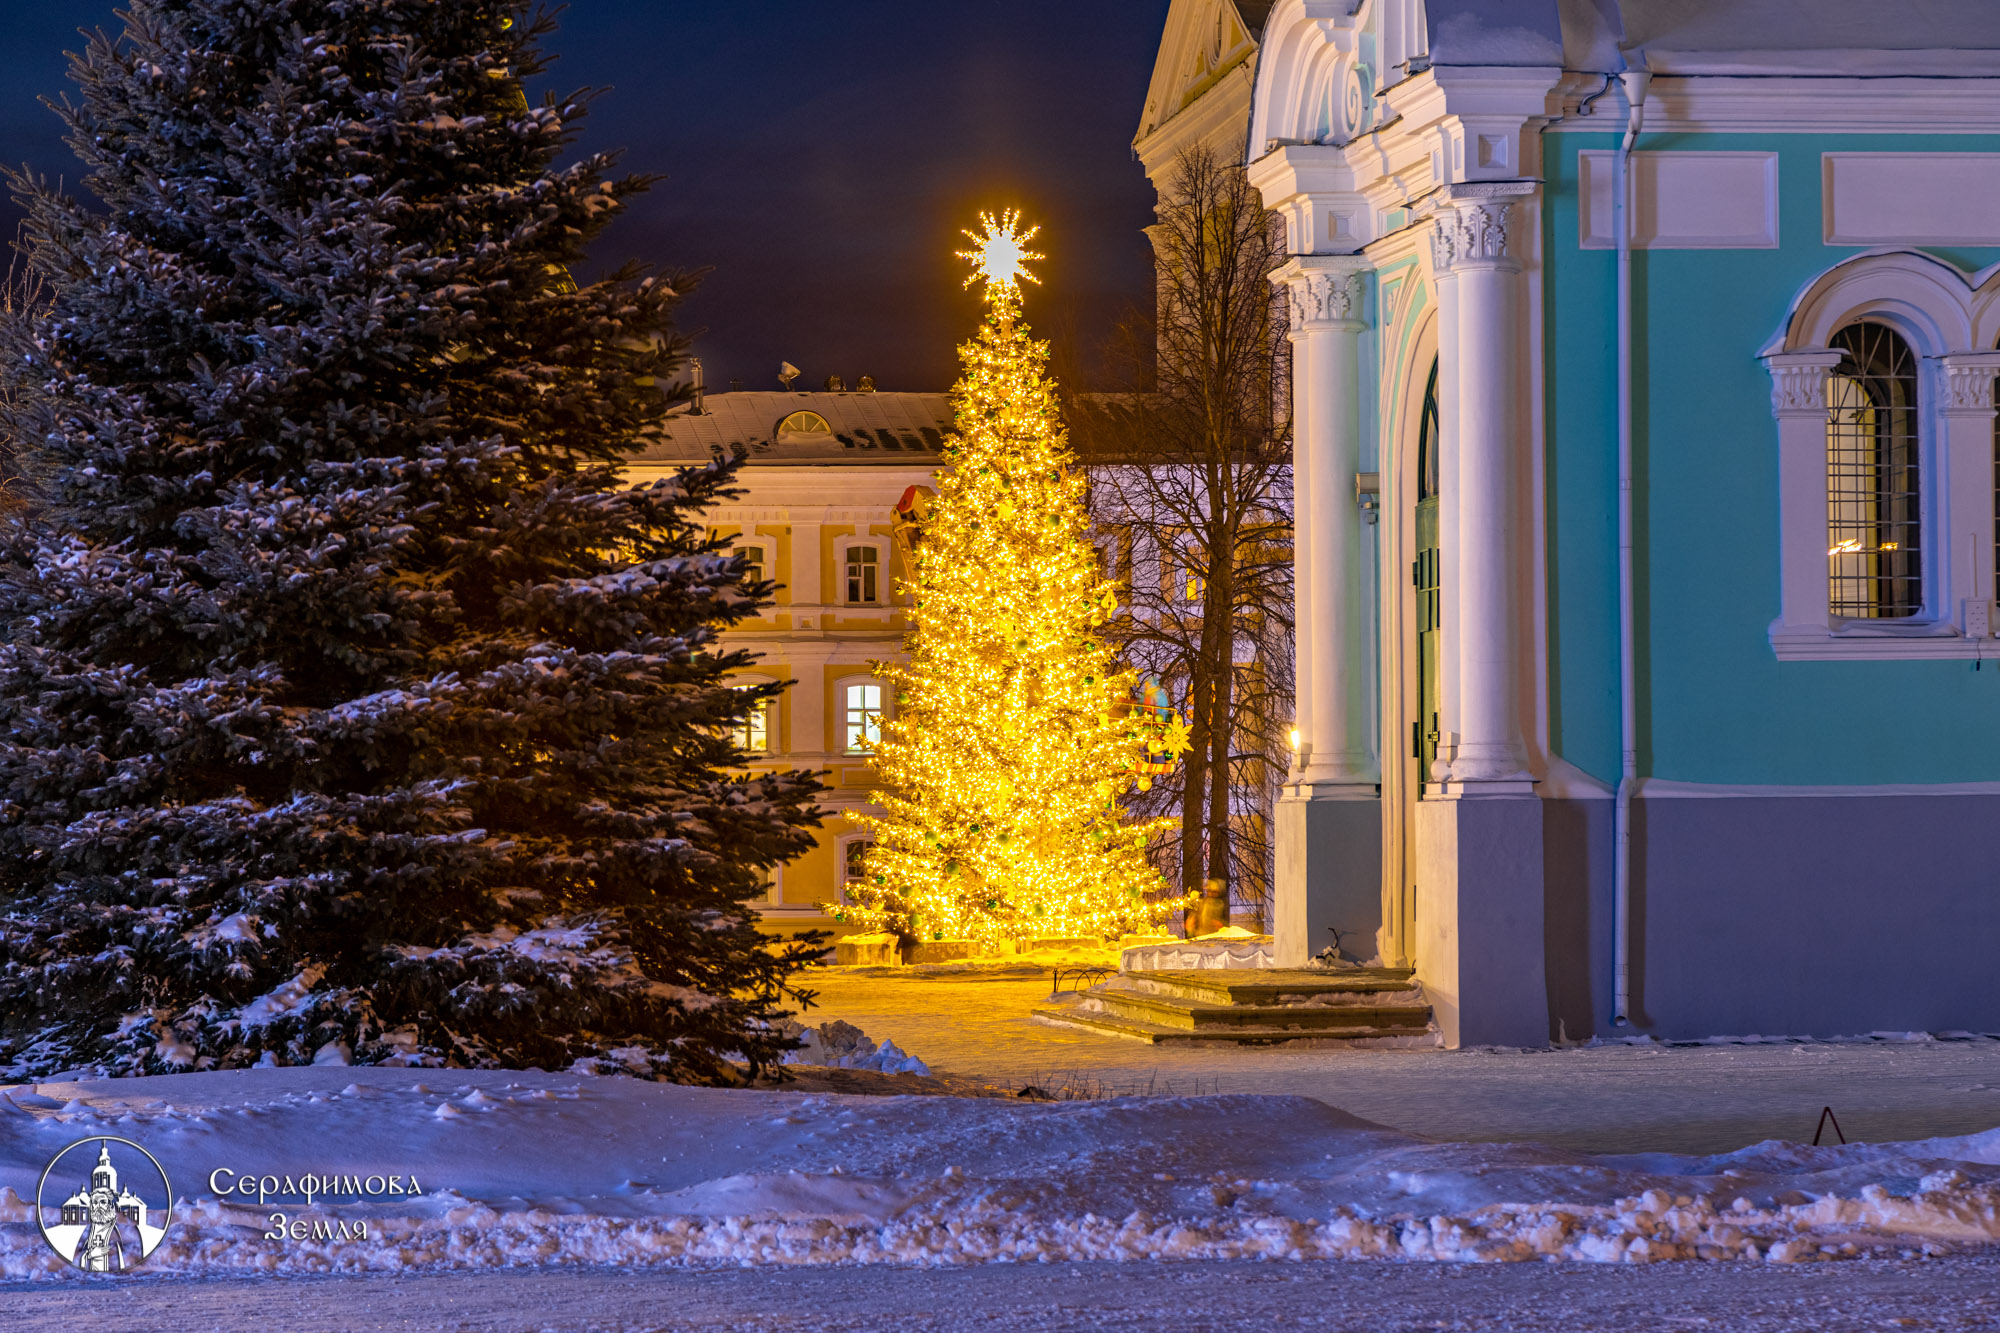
1714,104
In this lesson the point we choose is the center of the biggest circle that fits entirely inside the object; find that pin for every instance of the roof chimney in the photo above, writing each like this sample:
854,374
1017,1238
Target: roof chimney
697,410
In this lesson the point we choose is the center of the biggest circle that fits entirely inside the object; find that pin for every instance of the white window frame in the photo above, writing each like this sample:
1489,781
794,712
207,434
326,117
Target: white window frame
1950,327
840,689
770,714
880,545
840,880
767,545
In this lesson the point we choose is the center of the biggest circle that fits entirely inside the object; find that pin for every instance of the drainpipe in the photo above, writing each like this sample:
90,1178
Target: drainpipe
1635,82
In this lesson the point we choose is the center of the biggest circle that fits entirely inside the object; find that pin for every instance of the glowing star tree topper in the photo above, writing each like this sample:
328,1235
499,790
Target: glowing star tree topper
1002,257
1015,732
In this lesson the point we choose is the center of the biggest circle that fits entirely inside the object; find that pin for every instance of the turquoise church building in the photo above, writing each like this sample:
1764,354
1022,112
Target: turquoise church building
1644,357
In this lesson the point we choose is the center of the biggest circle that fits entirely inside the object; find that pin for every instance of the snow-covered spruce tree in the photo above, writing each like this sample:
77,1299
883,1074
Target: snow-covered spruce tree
350,705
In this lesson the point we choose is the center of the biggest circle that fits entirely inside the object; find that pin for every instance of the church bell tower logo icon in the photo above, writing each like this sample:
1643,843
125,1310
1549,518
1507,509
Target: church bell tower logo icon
104,1204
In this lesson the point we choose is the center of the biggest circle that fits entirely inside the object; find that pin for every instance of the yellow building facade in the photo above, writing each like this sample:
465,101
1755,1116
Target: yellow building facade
817,514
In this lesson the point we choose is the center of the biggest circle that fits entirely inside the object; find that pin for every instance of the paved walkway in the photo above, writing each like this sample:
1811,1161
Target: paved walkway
1603,1099
1855,1297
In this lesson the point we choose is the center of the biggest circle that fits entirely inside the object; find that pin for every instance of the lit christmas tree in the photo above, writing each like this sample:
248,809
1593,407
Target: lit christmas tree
1015,732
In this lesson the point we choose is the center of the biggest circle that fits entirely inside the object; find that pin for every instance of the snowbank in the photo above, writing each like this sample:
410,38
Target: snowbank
838,1045
502,1169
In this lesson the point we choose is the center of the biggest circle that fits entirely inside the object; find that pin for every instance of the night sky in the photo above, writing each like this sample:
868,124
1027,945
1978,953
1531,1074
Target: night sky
821,159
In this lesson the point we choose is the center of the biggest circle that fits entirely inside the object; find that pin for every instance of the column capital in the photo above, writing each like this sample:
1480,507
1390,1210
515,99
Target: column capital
1324,291
1966,379
1798,380
1471,224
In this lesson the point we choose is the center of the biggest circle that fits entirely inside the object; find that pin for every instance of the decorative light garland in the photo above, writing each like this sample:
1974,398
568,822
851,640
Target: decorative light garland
1015,731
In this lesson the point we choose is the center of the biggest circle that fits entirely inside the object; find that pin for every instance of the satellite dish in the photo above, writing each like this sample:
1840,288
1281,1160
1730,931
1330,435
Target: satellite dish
787,372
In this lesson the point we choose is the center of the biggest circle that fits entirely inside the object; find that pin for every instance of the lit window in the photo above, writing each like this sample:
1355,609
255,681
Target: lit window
862,564
853,865
767,886
1874,523
861,720
754,732
754,555
804,423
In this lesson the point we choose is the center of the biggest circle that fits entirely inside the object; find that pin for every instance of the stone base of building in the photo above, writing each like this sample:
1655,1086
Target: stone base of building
1329,863
1479,920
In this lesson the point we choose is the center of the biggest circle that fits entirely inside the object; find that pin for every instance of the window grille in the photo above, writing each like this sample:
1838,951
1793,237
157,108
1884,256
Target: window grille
862,718
862,563
804,423
853,867
1874,529
754,732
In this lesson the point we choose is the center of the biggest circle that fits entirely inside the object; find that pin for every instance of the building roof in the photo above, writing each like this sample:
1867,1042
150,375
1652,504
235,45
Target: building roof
1771,37
821,428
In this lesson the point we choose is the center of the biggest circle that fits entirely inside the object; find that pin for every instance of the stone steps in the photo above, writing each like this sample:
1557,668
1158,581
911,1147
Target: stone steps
1253,1007
1261,985
1179,1011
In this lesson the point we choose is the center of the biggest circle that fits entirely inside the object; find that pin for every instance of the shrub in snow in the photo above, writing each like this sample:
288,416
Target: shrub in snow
353,706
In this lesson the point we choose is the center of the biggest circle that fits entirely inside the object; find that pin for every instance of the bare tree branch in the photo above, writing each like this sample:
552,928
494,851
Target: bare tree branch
1192,486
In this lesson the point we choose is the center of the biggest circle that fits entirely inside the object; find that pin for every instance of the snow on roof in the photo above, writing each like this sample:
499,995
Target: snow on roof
1936,38
1495,32
819,428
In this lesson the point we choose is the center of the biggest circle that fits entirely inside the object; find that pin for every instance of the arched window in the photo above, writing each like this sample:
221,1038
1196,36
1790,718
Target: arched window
804,423
1873,485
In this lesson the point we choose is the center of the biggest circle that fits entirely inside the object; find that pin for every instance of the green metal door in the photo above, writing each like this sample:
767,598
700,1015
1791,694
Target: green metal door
1426,575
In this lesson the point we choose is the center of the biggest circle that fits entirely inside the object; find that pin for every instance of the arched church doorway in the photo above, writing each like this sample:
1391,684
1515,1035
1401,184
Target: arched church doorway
1427,576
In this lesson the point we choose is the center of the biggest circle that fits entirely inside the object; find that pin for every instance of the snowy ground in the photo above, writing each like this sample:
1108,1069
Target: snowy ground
562,1201
1931,1296
1602,1099
521,1169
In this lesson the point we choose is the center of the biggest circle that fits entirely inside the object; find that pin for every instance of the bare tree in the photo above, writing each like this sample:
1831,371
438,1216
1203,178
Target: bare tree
1192,484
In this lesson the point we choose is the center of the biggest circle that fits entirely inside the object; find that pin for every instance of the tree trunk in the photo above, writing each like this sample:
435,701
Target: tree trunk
1219,739
1194,784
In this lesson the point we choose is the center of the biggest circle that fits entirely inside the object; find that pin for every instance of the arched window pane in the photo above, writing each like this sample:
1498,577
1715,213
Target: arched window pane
1874,528
804,423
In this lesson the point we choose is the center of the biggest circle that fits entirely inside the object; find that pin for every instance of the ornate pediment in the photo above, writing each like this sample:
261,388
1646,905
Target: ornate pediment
1204,42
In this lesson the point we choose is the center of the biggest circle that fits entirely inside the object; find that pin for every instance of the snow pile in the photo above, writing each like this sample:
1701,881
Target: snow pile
428,1169
839,1045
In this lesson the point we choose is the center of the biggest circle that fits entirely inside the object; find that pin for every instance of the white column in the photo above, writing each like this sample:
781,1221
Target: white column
1490,757
1964,481
1334,634
1798,400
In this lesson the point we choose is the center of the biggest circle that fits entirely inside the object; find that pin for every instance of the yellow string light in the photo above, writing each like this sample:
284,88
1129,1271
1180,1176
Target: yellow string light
1013,737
